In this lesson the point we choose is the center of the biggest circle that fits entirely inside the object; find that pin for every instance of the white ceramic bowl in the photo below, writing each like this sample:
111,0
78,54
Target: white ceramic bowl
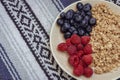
56,37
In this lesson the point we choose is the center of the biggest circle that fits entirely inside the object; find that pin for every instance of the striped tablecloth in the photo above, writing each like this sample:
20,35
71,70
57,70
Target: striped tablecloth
24,39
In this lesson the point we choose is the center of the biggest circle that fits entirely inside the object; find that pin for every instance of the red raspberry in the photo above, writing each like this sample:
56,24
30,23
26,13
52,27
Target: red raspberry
88,72
62,47
88,49
80,53
78,71
75,39
68,42
79,47
85,40
87,59
71,49
73,60
82,63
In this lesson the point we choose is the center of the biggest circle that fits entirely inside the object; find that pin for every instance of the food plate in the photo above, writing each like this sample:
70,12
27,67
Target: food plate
56,37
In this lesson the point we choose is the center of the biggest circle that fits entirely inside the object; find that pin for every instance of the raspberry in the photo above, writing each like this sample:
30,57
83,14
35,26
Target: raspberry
82,63
75,39
71,49
80,53
62,47
78,71
88,72
87,59
88,49
73,60
85,40
68,42
79,47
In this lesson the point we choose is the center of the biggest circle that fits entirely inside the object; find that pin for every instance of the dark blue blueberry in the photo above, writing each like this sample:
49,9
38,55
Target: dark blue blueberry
83,13
78,12
65,27
72,29
78,18
62,15
60,22
67,35
87,18
72,22
92,21
81,32
76,25
83,23
75,32
79,6
89,13
89,29
87,7
66,21
86,34
69,14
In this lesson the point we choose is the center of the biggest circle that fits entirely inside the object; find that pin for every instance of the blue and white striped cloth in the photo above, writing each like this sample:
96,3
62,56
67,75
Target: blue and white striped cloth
24,39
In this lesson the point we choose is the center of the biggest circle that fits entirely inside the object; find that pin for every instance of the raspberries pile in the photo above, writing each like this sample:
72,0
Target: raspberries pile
79,51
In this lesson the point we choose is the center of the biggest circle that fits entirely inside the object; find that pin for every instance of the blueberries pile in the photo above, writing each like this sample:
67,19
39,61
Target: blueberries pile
77,22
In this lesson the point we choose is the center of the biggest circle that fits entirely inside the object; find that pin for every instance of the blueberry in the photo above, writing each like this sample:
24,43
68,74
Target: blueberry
76,25
81,32
86,34
75,32
72,29
72,22
89,13
62,15
89,29
66,21
87,7
65,27
92,21
79,6
83,13
60,22
78,12
87,18
83,23
78,18
69,14
67,35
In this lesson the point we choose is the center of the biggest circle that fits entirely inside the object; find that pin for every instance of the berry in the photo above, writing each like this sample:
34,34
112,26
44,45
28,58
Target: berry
88,49
73,60
83,23
60,22
82,63
89,29
62,15
87,59
92,21
79,6
66,26
88,72
75,32
89,13
67,35
62,47
69,14
82,13
85,40
81,32
87,7
72,29
80,53
87,34
79,47
78,18
75,39
87,18
72,22
78,71
68,42
71,49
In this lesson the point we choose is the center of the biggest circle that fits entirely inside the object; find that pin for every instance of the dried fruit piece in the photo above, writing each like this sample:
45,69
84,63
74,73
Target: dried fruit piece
87,59
88,72
71,49
85,40
88,49
75,39
78,71
73,60
79,47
